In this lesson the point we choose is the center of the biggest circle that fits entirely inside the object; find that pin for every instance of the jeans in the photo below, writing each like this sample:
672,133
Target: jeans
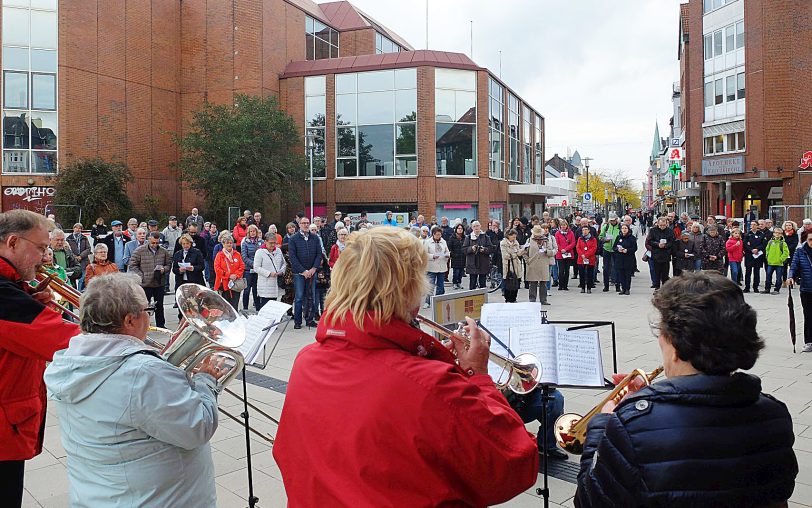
477,280
735,271
609,269
778,271
304,288
697,264
806,303
651,271
157,295
208,271
531,410
553,276
541,288
437,279
80,282
753,269
457,277
563,273
11,482
251,287
586,273
661,273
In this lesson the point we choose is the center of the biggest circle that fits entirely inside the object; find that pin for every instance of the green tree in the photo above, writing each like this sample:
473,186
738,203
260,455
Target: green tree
97,186
236,155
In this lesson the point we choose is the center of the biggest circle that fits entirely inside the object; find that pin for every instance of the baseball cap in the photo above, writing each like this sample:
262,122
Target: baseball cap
152,222
116,223
172,217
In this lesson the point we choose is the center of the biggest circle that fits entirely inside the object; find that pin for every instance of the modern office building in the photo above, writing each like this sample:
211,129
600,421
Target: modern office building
744,68
393,128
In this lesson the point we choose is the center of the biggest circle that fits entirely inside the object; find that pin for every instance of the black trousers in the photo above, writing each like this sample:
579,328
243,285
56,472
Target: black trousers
477,280
609,269
586,273
661,273
232,297
157,296
563,273
11,482
624,273
510,296
753,269
806,303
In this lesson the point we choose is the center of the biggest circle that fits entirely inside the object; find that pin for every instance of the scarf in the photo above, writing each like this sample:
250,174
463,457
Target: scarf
587,237
340,246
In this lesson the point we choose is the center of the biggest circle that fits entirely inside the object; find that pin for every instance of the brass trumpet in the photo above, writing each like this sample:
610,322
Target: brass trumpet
524,371
63,289
570,428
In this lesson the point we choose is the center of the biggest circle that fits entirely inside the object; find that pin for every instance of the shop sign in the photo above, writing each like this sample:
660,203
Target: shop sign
723,166
34,198
806,160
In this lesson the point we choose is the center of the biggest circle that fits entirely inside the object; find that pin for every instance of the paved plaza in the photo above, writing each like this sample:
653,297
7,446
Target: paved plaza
785,375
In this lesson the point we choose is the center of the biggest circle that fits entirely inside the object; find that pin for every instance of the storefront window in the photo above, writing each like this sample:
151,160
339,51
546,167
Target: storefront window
455,115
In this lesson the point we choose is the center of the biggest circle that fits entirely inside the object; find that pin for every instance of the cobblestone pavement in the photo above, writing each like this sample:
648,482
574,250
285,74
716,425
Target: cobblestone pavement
786,375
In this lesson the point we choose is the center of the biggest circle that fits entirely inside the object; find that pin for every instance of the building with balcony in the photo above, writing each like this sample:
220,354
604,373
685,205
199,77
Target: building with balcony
392,128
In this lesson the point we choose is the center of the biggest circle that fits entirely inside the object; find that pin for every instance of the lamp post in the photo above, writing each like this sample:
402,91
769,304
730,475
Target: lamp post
586,165
310,142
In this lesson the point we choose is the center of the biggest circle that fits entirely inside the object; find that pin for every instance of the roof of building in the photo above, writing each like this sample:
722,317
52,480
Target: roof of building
656,145
344,16
378,62
562,165
683,25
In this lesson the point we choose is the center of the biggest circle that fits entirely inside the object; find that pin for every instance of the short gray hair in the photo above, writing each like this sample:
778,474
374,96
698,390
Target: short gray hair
57,232
108,300
100,246
20,221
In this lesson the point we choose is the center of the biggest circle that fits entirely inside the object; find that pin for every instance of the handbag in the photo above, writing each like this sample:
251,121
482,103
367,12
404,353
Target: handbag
239,285
512,281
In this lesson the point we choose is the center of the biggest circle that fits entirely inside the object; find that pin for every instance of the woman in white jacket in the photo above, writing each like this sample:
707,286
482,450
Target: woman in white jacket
439,255
269,264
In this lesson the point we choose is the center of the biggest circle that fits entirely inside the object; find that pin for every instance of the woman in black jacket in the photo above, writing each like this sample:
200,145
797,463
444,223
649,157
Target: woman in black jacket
706,436
188,263
457,255
625,261
478,250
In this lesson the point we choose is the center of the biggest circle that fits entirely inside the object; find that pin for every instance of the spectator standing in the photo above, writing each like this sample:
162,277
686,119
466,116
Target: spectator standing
336,250
438,254
735,254
586,249
250,245
478,250
800,271
807,228
776,253
263,228
713,250
792,239
754,244
539,250
240,231
116,241
211,240
565,256
625,248
608,234
496,236
99,230
697,234
171,233
150,262
661,240
510,250
152,227
195,219
269,266
132,228
80,247
455,246
389,220
188,263
228,267
684,254
305,253
100,265
138,240
63,256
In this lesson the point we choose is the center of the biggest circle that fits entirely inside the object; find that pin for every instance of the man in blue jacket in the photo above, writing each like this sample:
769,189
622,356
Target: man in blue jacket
800,271
304,250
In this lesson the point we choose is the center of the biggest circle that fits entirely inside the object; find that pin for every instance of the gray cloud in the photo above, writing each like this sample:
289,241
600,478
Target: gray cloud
599,71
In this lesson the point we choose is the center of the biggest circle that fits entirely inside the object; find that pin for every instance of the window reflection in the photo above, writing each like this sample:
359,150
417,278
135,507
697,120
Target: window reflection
15,58
406,105
315,108
347,168
455,114
15,130
375,149
16,89
346,112
15,161
346,141
405,139
43,131
43,162
321,41
16,23
43,91
455,148
376,107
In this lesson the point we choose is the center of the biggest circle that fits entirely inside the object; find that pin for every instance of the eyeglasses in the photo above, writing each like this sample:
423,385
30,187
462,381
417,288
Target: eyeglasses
655,325
150,310
42,250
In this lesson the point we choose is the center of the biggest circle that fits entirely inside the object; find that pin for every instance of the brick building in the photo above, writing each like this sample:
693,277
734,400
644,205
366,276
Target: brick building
393,128
744,67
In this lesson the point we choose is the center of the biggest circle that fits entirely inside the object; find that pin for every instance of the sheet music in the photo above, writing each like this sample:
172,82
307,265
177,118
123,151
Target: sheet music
541,342
579,358
255,334
499,318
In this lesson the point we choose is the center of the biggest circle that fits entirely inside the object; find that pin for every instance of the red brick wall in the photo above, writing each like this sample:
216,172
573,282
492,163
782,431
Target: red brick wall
357,42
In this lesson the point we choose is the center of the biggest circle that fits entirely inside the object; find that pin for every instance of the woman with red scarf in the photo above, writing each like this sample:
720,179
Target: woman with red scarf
378,412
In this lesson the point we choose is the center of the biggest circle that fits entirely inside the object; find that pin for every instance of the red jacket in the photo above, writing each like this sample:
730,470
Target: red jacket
586,248
239,233
223,269
385,418
334,253
735,252
30,334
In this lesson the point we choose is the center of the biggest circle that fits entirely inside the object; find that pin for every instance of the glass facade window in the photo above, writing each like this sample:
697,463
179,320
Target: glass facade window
717,43
384,44
496,136
740,85
709,94
719,92
513,137
321,41
455,116
527,161
708,46
376,124
730,88
30,119
730,38
740,34
315,122
539,148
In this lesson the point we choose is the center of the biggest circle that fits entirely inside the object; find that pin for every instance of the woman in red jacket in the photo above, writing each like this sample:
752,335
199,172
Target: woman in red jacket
585,251
240,232
735,253
565,256
228,267
424,430
337,247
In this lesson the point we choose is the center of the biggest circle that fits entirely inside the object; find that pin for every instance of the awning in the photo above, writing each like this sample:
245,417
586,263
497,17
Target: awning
531,189
725,128
691,192
776,193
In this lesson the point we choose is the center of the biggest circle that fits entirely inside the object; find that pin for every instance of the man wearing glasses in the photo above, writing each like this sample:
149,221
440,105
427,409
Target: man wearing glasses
30,333
150,262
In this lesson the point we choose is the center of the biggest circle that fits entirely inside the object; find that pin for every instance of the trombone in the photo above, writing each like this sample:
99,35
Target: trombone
64,290
524,371
570,428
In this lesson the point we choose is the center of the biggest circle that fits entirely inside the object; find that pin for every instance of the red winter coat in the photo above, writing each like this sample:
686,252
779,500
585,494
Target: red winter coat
587,248
239,233
30,334
385,418
735,252
565,242
334,253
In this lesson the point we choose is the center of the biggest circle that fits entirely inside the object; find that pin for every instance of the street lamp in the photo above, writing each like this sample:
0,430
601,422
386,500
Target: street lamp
586,165
310,141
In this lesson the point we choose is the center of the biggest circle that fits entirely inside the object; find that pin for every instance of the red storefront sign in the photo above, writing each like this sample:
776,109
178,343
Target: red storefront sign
34,198
806,160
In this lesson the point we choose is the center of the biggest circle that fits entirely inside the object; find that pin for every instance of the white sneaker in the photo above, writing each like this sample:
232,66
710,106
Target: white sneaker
808,348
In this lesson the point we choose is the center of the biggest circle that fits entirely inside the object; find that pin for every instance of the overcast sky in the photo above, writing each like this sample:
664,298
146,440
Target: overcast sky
599,71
